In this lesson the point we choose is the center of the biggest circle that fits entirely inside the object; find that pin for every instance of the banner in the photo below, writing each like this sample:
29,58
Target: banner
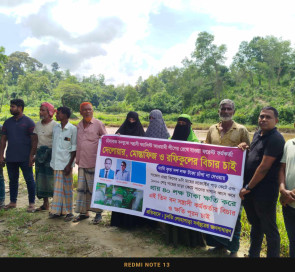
191,185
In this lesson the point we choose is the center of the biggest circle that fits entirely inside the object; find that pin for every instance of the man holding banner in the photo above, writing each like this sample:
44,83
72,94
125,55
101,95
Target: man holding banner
261,190
227,133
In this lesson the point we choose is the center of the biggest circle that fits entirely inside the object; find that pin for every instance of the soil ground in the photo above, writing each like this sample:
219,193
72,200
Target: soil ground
25,234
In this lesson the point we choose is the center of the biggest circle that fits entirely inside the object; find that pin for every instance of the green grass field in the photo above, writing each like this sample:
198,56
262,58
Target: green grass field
116,119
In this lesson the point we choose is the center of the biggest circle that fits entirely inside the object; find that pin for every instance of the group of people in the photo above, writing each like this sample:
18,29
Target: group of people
55,146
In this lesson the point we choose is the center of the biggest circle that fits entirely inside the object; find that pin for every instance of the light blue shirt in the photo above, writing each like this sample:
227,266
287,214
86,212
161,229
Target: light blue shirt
125,175
64,142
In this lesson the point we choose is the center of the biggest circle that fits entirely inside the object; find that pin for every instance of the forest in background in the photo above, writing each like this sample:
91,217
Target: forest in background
262,73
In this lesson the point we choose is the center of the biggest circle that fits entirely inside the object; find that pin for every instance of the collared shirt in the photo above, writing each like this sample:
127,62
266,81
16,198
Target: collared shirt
44,133
123,175
87,142
289,159
18,133
64,142
270,144
233,137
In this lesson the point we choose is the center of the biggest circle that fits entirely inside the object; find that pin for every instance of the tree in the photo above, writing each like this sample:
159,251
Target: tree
54,67
19,63
210,58
72,99
3,61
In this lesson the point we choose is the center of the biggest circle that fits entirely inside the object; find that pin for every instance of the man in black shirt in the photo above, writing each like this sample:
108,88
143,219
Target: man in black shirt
260,190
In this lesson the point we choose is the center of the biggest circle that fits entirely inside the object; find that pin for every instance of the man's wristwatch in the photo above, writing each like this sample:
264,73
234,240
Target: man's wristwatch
247,188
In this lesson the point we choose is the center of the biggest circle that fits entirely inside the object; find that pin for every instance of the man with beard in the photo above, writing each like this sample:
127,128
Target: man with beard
43,171
90,130
227,133
22,146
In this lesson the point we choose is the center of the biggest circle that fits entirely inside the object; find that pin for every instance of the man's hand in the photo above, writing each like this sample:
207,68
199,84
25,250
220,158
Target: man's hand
243,146
287,197
2,160
243,192
31,161
67,170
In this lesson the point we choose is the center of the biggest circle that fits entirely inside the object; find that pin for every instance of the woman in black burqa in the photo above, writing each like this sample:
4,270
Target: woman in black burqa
132,127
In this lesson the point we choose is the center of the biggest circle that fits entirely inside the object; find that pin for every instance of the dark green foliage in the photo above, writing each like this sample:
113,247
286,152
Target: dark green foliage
262,73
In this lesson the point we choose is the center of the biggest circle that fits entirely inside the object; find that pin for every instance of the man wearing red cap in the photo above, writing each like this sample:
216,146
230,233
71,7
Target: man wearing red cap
43,171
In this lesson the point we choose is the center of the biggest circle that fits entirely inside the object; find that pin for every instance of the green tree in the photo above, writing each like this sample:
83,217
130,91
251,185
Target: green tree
19,63
210,58
54,67
3,61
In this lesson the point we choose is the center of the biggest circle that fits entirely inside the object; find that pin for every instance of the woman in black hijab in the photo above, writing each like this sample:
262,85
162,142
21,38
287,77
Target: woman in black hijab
133,127
174,234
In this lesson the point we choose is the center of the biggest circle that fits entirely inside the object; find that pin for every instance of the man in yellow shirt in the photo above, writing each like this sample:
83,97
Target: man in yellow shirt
227,133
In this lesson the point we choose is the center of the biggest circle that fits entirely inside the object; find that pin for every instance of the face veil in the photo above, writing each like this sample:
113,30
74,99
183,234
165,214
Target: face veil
129,128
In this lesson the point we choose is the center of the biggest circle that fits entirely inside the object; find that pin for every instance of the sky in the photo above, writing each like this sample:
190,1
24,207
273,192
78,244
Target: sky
125,40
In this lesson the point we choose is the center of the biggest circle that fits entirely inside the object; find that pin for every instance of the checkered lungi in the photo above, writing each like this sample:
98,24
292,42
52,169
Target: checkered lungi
62,201
84,190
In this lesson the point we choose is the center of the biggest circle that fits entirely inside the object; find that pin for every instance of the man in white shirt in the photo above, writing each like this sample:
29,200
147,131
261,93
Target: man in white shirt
287,192
63,155
123,174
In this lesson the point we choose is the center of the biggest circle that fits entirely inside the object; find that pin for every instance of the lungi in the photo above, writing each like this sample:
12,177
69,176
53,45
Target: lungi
62,201
44,173
84,191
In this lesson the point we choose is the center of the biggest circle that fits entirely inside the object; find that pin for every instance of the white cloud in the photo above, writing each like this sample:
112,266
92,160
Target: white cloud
92,37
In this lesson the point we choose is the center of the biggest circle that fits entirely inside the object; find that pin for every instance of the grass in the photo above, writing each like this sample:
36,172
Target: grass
246,227
116,119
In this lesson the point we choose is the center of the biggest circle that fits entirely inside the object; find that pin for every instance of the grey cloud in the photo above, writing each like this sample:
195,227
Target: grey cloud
41,25
108,29
51,52
88,45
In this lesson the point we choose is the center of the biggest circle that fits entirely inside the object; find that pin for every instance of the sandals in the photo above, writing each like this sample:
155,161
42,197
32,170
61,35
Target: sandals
80,217
31,209
69,217
97,219
9,206
41,208
52,216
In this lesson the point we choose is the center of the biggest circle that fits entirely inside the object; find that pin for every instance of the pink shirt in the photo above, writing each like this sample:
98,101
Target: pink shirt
87,142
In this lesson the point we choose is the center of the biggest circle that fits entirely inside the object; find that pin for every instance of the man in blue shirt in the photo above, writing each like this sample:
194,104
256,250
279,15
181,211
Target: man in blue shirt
123,174
107,172
20,153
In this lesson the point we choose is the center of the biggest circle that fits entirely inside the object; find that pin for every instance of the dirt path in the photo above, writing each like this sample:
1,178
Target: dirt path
43,237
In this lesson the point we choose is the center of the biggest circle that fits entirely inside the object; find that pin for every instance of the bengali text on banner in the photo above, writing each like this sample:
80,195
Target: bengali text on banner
191,185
